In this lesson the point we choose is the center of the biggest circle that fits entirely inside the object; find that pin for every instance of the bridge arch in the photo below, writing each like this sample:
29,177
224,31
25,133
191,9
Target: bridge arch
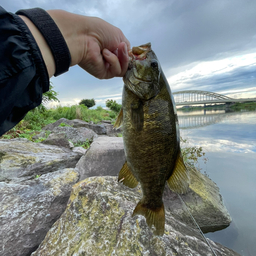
191,97
197,95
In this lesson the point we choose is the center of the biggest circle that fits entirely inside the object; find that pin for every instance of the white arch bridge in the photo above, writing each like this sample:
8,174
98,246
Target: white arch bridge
195,97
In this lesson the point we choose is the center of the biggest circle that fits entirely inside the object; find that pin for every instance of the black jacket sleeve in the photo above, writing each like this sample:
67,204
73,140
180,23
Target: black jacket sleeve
23,74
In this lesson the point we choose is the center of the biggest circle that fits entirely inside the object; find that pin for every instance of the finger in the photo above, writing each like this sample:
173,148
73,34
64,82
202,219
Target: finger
114,68
123,57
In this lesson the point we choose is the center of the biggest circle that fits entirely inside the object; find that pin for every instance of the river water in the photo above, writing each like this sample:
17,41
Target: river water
229,141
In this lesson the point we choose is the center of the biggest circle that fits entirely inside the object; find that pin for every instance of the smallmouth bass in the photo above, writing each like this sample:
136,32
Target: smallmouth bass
151,136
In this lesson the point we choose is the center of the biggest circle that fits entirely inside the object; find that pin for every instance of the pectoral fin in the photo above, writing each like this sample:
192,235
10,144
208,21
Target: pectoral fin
126,177
179,180
137,115
119,119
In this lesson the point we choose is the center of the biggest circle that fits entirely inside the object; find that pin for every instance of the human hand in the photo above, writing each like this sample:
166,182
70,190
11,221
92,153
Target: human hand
95,45
105,52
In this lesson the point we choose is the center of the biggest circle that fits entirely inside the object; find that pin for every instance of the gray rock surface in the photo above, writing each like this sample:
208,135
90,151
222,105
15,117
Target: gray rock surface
21,159
59,140
105,157
28,210
203,201
98,221
104,128
79,150
76,135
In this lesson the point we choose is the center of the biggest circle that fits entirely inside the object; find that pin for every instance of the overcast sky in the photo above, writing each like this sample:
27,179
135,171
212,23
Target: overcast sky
205,45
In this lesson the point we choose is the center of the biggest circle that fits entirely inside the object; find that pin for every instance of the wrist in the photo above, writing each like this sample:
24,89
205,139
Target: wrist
51,33
72,28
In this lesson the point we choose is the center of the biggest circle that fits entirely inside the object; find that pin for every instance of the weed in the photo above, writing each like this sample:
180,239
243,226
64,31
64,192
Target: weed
85,144
192,154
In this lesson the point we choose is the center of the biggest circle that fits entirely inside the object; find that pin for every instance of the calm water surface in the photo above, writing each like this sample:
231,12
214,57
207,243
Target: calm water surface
229,140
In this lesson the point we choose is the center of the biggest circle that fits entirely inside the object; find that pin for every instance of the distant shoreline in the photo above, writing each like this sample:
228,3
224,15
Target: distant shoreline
250,106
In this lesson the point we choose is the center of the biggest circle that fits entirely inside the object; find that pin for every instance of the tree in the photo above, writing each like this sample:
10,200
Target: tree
50,95
113,105
87,102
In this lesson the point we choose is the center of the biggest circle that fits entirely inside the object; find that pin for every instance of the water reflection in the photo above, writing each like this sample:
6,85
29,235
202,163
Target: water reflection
196,119
220,131
229,140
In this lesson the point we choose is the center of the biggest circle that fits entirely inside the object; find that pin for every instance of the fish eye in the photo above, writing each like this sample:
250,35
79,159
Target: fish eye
154,64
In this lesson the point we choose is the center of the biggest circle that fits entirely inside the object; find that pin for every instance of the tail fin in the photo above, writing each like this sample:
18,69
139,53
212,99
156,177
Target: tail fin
154,217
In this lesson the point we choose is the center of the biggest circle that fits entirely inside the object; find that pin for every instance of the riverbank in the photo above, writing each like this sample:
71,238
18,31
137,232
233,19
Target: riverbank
247,106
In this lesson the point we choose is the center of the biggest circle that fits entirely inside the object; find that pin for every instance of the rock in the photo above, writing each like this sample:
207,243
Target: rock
51,126
77,123
111,131
21,159
79,150
59,140
76,135
203,201
28,210
71,145
98,221
42,134
105,157
104,128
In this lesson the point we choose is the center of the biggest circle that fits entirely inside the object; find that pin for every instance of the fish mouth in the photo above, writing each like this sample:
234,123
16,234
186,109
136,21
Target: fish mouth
138,53
142,80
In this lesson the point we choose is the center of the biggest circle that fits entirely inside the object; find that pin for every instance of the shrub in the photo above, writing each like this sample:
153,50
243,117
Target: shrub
113,105
87,102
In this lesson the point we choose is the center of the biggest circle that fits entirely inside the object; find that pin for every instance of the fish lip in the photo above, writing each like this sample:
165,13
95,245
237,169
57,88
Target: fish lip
140,79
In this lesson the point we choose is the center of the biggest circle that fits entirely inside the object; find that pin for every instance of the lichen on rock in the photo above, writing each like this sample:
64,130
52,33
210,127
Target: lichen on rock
98,221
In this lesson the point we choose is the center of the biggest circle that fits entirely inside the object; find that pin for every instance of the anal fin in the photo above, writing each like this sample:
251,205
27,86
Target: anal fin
154,217
119,119
126,177
179,180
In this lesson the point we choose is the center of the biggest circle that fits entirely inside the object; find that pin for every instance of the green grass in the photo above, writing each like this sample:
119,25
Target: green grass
37,118
250,106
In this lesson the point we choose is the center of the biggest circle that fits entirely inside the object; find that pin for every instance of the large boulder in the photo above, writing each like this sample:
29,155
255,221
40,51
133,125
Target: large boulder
203,201
105,157
59,140
103,128
76,135
28,210
21,159
98,221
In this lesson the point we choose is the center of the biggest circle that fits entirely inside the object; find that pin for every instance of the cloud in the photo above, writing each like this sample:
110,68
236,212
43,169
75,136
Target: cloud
183,35
222,136
225,76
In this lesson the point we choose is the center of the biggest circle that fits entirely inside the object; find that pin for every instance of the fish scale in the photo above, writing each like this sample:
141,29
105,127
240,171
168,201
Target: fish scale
151,136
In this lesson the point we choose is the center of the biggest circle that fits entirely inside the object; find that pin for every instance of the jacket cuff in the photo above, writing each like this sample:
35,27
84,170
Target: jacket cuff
55,40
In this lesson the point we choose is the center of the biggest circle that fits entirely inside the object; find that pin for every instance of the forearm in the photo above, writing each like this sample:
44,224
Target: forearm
43,46
95,45
72,35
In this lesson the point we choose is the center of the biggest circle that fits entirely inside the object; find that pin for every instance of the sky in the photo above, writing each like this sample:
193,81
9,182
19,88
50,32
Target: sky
205,45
